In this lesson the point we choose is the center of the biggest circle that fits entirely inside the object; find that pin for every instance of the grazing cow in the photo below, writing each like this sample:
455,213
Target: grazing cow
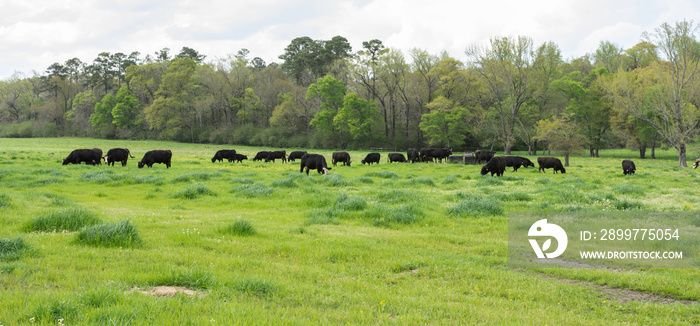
275,155
371,158
156,156
428,154
550,162
697,162
223,154
396,157
496,164
517,161
483,156
314,161
295,155
628,167
238,158
92,156
117,155
412,155
341,157
261,155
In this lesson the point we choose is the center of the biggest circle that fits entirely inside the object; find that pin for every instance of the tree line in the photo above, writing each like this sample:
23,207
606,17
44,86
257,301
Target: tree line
509,94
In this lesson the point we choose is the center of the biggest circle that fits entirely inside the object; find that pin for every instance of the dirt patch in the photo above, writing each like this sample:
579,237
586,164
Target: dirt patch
168,291
624,295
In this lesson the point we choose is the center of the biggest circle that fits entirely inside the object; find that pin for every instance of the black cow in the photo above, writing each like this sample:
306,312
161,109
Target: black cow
372,158
629,168
483,156
92,156
223,154
314,161
517,161
156,156
496,165
435,153
261,155
550,162
238,158
295,155
396,157
341,157
412,155
275,155
117,155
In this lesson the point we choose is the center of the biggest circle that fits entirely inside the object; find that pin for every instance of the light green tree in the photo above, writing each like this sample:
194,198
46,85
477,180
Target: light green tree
446,123
561,134
357,116
126,110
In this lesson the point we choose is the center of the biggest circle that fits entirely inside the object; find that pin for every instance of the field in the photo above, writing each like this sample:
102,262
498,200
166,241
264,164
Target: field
261,243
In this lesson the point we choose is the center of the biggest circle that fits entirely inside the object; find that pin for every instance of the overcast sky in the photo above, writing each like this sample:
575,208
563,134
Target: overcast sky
34,34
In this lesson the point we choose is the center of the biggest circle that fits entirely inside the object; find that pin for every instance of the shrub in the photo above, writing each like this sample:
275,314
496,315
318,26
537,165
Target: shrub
67,219
194,191
120,234
240,227
476,206
12,249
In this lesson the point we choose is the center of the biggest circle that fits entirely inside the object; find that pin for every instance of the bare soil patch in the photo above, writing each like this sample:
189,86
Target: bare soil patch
168,291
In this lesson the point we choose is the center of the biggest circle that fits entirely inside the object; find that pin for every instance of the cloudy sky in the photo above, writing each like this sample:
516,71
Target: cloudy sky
36,33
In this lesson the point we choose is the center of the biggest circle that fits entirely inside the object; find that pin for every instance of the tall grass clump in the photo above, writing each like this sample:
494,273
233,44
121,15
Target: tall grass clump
254,286
396,196
384,215
56,311
335,180
193,278
284,183
473,205
67,219
365,180
489,181
350,203
382,174
630,190
422,181
5,200
253,190
194,191
244,181
240,227
120,234
324,216
101,176
195,176
12,249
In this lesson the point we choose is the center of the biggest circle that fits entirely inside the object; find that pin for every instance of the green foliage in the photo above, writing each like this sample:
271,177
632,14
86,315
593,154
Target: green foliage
120,234
126,110
357,116
446,124
67,219
101,119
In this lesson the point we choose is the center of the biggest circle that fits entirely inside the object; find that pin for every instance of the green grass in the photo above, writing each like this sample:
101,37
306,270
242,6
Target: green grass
120,234
405,244
66,219
240,227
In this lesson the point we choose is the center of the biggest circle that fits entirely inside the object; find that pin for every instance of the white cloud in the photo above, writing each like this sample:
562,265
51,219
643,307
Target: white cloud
34,34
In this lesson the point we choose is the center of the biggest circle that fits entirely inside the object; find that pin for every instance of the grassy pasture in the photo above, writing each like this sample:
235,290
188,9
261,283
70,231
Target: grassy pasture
261,243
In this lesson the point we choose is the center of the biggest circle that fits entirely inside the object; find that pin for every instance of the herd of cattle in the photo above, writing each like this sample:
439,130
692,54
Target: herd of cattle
494,164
